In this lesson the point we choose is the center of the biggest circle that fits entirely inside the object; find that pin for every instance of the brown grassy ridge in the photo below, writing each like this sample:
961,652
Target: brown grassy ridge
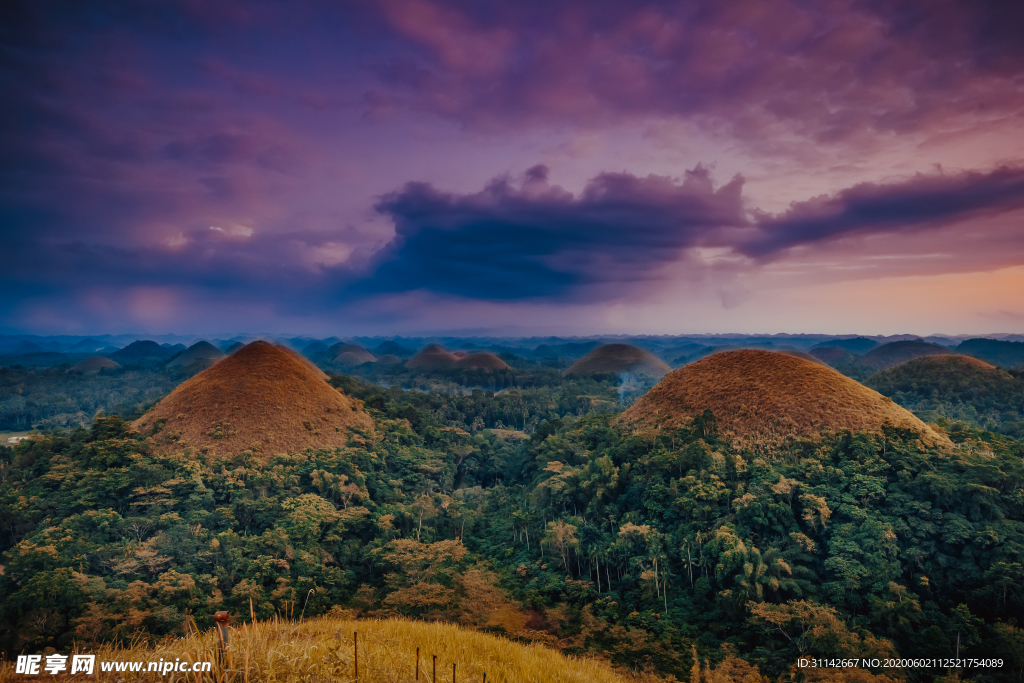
322,649
894,353
618,358
263,398
764,399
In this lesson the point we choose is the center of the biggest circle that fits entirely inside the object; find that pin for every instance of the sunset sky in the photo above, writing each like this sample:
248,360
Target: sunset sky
478,167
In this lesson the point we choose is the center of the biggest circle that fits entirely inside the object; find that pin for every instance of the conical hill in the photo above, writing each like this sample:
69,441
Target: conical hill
263,398
202,352
762,399
616,359
434,357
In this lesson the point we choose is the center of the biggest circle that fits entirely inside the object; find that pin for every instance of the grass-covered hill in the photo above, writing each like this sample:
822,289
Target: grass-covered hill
959,388
763,399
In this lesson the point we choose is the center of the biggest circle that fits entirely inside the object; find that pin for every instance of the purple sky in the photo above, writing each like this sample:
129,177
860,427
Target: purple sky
580,167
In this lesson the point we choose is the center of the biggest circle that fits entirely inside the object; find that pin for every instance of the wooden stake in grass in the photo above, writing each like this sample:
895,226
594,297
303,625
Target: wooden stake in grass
417,664
355,646
453,672
433,673
221,619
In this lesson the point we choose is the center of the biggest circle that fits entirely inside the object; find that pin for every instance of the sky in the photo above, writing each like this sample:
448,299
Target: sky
571,167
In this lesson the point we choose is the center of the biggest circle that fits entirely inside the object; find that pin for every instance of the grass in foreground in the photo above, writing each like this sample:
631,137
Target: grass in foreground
321,649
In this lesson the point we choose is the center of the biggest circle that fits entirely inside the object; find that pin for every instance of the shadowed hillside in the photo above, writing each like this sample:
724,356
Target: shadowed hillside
761,398
956,387
832,355
1005,353
614,359
202,353
262,398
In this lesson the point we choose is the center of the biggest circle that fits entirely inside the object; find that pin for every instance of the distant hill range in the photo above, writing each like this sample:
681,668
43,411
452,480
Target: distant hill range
762,399
263,398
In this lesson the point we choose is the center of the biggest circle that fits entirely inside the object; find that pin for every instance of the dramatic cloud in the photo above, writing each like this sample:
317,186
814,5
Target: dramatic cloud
537,240
921,203
257,156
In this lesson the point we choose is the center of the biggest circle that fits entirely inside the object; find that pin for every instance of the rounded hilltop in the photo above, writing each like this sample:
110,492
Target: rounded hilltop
91,366
894,353
615,359
263,398
351,355
202,352
434,357
482,360
952,377
762,399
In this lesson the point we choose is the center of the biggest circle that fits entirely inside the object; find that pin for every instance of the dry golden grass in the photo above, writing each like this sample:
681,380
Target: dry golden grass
483,361
616,359
321,649
764,399
262,398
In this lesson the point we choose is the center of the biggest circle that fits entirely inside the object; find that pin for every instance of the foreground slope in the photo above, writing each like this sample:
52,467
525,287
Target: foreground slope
616,359
262,398
322,649
761,398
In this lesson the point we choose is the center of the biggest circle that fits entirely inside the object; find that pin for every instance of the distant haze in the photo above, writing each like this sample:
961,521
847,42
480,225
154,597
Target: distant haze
432,167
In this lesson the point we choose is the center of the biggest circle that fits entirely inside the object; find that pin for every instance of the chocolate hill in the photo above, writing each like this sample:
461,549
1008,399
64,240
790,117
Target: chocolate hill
762,399
90,366
482,361
434,357
202,352
263,398
351,354
617,359
951,377
894,353
388,359
832,355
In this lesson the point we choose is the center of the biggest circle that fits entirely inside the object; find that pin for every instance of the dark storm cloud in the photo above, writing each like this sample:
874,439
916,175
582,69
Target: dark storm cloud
537,240
920,203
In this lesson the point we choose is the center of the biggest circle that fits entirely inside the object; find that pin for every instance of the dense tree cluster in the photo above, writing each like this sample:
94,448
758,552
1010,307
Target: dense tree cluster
647,548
